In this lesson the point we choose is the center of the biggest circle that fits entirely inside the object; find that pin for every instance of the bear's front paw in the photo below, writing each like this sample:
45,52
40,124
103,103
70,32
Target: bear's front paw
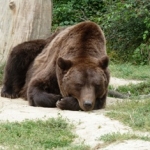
61,104
8,93
68,103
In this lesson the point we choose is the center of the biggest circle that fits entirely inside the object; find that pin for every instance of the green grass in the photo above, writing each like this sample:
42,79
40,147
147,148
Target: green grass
134,113
118,137
74,147
49,134
129,71
56,133
135,90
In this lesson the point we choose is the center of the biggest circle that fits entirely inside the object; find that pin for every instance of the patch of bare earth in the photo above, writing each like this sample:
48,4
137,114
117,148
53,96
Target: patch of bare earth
89,125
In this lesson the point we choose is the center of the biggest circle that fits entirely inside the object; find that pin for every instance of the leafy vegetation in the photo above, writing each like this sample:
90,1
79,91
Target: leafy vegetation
127,28
49,134
125,23
69,12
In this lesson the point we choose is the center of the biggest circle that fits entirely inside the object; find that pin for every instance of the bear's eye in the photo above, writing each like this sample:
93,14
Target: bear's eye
78,85
97,86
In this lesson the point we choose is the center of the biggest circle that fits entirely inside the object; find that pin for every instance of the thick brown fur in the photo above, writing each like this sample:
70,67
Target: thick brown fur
20,59
69,72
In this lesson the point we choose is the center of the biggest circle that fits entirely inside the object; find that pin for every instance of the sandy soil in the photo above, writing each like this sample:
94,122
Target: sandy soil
89,125
115,82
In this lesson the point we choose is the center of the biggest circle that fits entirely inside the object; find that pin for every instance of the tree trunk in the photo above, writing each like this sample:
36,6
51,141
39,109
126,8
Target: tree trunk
23,20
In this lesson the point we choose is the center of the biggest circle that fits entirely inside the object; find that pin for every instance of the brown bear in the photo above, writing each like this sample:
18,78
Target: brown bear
68,70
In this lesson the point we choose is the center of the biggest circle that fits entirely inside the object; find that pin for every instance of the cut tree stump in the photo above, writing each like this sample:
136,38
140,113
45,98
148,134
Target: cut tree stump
23,20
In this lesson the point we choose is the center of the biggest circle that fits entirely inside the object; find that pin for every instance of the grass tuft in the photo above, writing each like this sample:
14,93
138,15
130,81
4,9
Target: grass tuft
118,137
134,113
34,135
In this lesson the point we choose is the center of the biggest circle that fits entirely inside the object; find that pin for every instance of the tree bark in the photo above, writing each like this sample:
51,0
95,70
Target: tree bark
23,20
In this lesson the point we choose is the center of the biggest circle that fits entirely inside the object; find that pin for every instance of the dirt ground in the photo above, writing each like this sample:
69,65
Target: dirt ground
89,125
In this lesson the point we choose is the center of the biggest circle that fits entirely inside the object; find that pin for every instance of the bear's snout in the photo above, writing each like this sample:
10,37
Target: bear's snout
88,104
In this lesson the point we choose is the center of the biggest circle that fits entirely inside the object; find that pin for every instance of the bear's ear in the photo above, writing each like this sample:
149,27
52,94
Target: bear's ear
103,63
64,64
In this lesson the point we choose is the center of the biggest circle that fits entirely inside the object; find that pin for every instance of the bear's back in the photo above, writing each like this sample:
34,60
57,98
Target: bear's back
83,40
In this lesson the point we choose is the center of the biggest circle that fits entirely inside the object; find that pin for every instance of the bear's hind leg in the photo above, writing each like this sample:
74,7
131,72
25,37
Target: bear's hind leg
17,65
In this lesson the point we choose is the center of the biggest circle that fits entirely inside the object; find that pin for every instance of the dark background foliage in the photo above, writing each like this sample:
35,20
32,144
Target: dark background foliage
126,24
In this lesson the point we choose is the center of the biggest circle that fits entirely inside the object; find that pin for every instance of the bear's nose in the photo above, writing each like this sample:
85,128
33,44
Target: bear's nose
87,103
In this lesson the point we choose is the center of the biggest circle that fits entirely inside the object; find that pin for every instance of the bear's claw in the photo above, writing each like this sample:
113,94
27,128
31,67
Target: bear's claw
9,94
68,103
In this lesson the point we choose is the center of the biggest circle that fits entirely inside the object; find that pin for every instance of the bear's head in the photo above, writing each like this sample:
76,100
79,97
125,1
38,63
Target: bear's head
83,79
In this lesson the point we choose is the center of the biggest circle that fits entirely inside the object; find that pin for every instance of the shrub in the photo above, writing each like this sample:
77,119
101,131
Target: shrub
127,25
67,12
